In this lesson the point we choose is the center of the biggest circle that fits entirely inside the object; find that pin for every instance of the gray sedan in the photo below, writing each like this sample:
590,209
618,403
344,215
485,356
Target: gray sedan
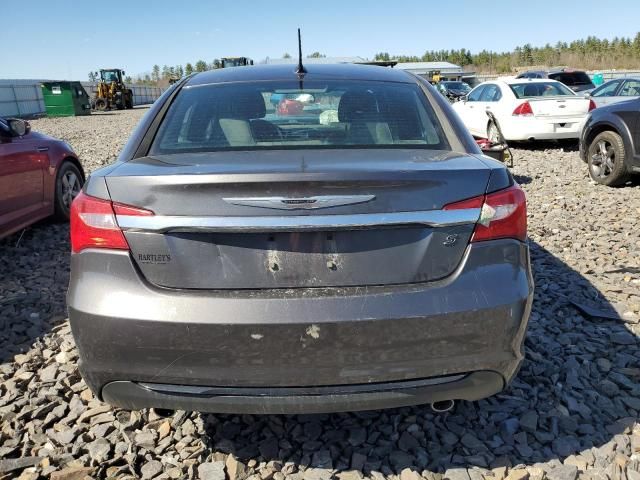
346,248
615,91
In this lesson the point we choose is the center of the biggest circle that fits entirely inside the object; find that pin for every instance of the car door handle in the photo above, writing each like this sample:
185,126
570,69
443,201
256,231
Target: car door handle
43,149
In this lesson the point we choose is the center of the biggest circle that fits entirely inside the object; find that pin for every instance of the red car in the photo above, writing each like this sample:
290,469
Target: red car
39,176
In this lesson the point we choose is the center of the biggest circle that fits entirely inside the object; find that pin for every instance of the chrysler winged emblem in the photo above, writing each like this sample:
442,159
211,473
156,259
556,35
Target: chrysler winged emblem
299,203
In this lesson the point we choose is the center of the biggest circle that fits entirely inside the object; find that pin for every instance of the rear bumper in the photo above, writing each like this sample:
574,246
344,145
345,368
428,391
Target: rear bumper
133,396
522,129
345,345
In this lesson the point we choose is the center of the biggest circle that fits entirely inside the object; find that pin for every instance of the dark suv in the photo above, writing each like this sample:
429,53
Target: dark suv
576,80
610,142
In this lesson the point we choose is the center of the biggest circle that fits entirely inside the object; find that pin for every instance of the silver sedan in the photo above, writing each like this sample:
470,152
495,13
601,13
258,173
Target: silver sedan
615,91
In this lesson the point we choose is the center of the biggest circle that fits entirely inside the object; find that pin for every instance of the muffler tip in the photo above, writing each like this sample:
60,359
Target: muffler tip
442,406
164,412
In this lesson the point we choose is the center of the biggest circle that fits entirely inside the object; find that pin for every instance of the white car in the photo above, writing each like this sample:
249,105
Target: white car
526,110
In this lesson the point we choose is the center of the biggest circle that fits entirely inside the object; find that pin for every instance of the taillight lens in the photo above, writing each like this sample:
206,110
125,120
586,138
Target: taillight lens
93,223
592,104
523,109
503,214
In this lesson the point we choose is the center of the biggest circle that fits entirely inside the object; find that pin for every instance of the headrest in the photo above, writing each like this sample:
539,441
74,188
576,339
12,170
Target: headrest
531,90
243,105
358,106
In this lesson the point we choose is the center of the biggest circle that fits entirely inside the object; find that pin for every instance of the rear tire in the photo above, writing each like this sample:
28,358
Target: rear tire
69,182
606,159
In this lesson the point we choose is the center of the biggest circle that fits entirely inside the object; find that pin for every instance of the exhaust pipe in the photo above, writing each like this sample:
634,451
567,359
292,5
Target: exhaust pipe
442,406
164,412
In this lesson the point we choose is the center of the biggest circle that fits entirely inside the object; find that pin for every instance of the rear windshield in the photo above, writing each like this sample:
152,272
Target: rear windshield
573,79
277,115
540,89
458,86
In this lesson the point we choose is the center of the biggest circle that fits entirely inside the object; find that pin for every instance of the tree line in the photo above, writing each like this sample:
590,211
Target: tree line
160,76
592,53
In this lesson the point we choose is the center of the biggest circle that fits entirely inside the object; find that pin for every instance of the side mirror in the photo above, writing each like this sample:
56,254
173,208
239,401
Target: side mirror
464,98
19,128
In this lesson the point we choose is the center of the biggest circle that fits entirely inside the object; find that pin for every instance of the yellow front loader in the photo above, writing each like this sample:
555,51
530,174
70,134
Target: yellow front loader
112,92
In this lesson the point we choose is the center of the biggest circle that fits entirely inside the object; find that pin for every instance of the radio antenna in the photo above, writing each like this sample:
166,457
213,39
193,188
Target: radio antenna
300,70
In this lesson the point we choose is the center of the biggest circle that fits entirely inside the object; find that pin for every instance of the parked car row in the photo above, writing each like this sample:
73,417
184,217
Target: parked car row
39,176
533,106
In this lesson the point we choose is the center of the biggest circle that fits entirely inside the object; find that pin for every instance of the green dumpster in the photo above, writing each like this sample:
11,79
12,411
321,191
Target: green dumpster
65,99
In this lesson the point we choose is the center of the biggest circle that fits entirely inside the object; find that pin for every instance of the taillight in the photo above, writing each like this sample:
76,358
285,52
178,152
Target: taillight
592,105
523,109
503,214
93,223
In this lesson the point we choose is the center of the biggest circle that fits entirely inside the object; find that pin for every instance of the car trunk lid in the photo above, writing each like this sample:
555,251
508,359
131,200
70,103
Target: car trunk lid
279,219
558,108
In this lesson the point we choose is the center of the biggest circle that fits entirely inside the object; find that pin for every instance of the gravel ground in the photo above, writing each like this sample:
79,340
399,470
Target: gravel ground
571,413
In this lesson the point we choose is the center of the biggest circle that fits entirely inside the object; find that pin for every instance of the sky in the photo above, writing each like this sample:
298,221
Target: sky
67,39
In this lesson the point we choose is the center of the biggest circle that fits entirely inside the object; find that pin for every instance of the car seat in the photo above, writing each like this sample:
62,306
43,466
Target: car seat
234,115
360,110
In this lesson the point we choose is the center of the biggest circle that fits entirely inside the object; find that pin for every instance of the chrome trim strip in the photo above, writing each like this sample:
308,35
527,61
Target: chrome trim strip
296,391
300,203
294,223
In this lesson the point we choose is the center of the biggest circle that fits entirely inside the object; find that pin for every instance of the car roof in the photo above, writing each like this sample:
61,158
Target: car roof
511,81
554,70
636,79
566,70
346,71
